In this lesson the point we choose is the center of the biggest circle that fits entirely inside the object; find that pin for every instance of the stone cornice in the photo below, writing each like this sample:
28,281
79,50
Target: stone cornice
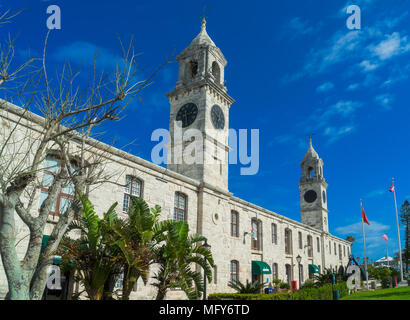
199,84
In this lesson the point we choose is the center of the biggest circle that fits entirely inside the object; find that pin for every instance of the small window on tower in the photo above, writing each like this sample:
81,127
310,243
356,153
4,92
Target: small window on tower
311,173
194,68
216,72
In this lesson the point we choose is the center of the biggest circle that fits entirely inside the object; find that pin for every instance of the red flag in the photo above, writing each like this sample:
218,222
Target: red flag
392,187
385,237
364,216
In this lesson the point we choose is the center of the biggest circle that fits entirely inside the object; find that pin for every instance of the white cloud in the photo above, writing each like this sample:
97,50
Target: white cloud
325,87
385,100
298,26
391,46
335,133
353,87
375,228
366,65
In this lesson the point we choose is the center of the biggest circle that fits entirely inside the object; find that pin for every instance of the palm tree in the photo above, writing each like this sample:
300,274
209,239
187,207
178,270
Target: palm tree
175,251
250,287
89,255
133,237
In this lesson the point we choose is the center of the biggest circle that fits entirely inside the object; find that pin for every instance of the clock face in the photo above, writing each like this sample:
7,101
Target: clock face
187,114
310,196
217,116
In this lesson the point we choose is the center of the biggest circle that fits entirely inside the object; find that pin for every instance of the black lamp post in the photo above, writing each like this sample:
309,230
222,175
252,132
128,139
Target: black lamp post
206,245
299,259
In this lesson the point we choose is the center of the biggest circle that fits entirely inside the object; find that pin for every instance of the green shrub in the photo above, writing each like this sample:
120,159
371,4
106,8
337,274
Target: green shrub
284,285
385,282
322,293
309,283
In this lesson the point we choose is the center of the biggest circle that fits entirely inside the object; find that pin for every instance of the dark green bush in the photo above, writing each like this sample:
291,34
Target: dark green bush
284,285
322,293
385,282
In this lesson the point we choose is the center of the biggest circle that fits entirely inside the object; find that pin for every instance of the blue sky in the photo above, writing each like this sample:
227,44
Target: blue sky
293,68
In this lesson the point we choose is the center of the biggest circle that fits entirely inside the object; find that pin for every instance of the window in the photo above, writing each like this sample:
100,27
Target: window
234,271
256,235
340,252
234,224
275,273
335,248
133,187
288,274
215,274
318,244
300,240
310,246
194,68
288,241
180,204
216,72
344,251
52,167
274,233
330,247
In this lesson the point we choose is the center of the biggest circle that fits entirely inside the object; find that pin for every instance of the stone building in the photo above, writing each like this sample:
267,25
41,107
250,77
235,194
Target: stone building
248,241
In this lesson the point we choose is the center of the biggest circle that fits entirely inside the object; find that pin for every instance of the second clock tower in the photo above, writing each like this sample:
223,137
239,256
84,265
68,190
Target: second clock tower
200,102
313,187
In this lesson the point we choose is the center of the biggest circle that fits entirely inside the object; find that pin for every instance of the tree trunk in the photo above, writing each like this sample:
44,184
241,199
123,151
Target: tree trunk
16,277
162,291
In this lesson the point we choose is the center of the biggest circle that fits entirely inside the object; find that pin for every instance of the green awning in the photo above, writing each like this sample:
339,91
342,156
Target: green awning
57,260
313,268
44,241
260,267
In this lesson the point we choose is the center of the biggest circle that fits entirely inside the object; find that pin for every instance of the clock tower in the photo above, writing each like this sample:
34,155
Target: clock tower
199,115
312,186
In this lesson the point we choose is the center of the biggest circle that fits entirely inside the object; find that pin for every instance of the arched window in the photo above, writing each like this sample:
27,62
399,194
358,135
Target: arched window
234,271
234,223
193,65
180,206
256,235
216,72
274,233
335,250
300,240
310,246
288,241
340,252
318,244
133,187
311,173
275,272
288,274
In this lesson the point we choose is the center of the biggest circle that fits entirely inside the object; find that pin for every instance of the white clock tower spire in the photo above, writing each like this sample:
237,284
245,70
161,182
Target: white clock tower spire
200,101
312,186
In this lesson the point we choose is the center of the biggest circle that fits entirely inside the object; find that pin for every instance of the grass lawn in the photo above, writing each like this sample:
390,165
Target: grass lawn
402,293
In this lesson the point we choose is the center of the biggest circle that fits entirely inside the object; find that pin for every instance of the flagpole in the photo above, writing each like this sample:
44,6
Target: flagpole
364,248
398,232
387,249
